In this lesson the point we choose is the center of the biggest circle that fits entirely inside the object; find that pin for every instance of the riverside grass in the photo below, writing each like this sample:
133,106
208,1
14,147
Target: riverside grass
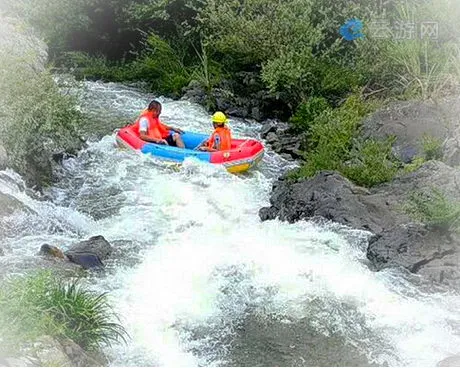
42,304
433,208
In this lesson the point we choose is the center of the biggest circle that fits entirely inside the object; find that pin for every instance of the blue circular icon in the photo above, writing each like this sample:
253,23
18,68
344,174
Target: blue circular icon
351,30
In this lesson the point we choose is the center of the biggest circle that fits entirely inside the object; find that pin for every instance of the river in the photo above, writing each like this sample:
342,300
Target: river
198,279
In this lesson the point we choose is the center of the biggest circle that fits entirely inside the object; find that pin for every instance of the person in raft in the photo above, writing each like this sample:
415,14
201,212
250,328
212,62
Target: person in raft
221,138
151,129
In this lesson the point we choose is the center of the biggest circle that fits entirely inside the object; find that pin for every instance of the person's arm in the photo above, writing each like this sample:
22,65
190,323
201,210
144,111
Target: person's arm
143,127
204,146
145,137
177,130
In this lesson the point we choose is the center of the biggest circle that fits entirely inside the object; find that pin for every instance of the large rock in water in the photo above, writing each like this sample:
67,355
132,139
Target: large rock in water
397,240
329,195
90,253
410,121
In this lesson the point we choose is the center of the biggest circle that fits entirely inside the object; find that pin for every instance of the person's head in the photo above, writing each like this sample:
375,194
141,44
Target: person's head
155,108
219,119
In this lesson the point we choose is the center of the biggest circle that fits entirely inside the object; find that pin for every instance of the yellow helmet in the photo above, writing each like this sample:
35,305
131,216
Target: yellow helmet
219,118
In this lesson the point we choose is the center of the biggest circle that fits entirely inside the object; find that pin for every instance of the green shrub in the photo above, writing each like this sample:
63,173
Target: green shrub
37,118
307,113
42,304
161,66
331,136
85,66
158,64
432,148
333,145
372,163
434,209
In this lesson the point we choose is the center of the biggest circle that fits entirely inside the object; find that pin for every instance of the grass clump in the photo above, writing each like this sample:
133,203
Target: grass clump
434,209
432,148
41,304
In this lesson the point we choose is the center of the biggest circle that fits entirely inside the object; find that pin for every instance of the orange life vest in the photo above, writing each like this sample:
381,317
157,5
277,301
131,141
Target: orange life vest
156,129
224,136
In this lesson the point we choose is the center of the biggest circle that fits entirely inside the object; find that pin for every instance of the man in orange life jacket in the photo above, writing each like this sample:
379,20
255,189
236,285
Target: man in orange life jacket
221,138
151,129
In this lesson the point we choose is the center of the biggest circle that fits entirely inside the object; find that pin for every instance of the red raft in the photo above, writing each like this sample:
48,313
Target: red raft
244,153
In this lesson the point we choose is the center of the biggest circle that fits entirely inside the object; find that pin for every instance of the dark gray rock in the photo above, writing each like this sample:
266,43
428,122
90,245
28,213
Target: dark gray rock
90,253
271,138
331,196
96,245
269,126
86,260
195,93
419,250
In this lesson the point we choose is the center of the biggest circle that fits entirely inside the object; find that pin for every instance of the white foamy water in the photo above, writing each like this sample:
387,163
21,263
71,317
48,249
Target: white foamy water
203,270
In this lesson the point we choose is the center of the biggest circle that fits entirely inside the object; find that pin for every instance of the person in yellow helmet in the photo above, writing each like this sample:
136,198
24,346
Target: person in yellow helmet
221,138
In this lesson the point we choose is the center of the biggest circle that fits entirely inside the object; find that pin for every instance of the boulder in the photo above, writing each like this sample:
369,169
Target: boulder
282,140
90,253
331,196
410,121
412,246
87,261
269,126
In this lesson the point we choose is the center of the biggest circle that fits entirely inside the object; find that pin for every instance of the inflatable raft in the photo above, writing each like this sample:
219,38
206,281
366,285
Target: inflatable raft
244,154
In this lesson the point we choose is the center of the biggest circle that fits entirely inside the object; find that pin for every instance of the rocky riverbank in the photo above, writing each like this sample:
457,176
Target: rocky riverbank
398,240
